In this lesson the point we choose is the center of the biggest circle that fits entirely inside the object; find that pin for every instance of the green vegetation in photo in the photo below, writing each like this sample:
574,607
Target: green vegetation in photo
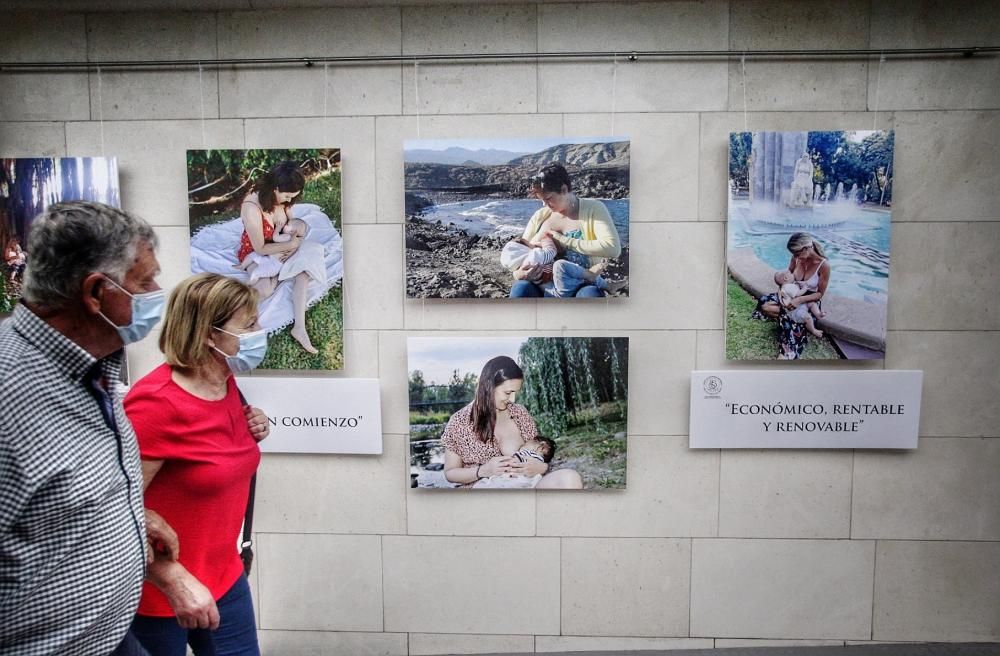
576,389
599,456
567,380
325,325
835,159
218,180
431,400
752,339
429,418
6,302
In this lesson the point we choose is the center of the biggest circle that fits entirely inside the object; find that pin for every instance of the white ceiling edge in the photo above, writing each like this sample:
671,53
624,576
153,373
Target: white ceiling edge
232,5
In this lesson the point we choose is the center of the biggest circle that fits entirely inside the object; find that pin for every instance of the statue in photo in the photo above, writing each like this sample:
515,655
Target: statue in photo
802,182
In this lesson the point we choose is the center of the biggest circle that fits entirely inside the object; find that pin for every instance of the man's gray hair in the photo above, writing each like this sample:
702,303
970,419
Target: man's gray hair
71,240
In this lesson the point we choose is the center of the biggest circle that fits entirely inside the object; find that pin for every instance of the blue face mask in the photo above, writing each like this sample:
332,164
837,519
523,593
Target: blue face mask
252,349
147,309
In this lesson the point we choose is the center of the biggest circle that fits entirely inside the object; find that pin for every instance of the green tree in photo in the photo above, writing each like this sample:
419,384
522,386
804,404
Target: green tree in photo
740,147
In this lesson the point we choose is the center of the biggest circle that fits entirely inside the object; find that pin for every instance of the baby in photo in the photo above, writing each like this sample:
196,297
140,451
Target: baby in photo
267,266
788,289
540,448
566,277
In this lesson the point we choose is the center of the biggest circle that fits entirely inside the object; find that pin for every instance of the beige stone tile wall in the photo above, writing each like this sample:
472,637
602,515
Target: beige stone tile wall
703,549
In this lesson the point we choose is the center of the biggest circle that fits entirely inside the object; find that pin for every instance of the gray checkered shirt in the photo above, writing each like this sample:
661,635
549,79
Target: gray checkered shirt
72,537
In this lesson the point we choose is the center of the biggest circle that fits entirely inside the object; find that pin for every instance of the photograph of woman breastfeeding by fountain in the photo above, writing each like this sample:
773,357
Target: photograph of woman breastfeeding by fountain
808,244
518,412
518,218
271,219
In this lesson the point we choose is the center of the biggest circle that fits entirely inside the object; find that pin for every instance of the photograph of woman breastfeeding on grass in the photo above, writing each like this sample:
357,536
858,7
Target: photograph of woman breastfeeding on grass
272,219
518,412
808,245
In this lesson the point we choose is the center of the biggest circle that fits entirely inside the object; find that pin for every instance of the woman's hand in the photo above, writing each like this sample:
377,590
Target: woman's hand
289,247
188,597
530,467
495,465
528,272
257,422
163,543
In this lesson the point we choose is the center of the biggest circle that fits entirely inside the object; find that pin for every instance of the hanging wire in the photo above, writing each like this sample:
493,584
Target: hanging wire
326,113
201,96
614,91
746,123
416,92
100,107
878,82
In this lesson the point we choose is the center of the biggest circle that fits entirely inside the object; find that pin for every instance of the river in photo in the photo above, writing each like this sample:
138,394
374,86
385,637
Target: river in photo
508,217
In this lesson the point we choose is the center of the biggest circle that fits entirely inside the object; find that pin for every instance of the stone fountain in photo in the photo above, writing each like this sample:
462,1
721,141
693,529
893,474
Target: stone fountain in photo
783,200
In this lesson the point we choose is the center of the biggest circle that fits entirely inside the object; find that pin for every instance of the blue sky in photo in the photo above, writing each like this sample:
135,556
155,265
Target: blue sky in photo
525,145
437,357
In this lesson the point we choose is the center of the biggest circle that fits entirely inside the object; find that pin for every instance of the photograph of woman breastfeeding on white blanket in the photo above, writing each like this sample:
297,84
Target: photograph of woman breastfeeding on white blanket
271,219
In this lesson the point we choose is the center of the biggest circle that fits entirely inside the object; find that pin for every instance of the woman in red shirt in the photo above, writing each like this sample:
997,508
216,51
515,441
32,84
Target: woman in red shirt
198,444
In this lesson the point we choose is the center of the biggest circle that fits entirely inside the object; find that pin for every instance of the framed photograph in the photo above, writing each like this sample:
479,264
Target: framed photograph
808,244
518,412
272,219
28,185
518,218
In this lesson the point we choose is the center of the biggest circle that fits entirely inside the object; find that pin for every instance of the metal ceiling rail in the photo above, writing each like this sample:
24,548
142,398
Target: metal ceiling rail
457,58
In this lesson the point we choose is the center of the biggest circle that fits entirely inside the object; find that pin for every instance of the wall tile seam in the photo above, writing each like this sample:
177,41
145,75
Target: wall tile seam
416,332
958,437
345,631
692,538
564,536
986,331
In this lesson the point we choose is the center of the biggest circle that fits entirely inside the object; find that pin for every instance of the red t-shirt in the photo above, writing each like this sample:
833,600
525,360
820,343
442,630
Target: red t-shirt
202,488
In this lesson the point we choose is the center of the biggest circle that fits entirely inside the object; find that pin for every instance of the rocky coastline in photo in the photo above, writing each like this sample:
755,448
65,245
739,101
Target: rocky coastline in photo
443,261
598,170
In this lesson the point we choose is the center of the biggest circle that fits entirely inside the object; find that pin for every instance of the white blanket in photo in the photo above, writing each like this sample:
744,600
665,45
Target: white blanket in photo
321,255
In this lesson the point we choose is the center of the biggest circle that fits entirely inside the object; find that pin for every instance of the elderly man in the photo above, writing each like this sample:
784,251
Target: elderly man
72,527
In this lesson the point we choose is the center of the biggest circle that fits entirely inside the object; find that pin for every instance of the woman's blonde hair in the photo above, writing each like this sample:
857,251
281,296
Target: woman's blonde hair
197,305
800,240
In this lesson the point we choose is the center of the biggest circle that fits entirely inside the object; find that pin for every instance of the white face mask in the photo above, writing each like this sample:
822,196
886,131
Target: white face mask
147,308
251,352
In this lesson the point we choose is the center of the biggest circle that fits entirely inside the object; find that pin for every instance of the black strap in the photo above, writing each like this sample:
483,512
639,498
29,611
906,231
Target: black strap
248,518
247,542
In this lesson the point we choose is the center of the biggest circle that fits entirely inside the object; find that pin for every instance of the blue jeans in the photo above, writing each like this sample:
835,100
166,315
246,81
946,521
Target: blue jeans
568,279
525,289
528,289
129,647
236,635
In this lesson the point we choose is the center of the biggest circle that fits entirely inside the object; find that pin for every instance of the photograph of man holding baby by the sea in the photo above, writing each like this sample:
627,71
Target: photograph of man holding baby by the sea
271,219
808,244
518,412
518,218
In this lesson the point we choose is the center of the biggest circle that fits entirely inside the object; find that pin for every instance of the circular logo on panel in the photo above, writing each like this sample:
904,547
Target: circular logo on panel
712,385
